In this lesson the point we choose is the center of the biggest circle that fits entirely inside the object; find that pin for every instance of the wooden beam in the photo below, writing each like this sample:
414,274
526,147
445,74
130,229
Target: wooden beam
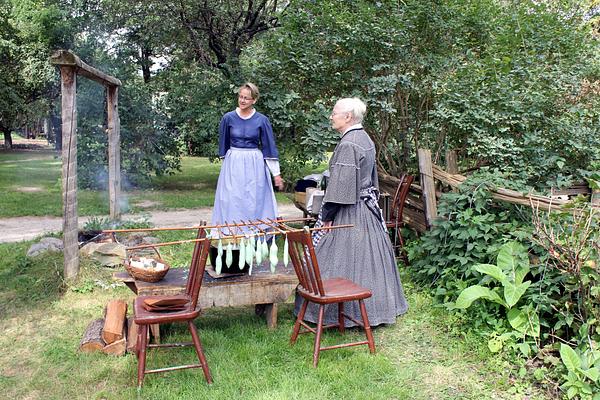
69,170
512,196
428,185
67,58
114,152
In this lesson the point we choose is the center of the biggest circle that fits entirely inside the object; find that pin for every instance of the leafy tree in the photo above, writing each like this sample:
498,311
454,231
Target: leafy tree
29,29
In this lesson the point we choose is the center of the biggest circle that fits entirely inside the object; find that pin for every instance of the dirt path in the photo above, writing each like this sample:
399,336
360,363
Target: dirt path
27,228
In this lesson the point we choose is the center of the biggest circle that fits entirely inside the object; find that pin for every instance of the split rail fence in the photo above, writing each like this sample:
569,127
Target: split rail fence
420,210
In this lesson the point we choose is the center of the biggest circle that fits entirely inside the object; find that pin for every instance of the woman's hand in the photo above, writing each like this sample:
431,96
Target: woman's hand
279,182
327,224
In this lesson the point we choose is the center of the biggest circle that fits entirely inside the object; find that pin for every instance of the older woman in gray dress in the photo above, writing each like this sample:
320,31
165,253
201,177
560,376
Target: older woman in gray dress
364,252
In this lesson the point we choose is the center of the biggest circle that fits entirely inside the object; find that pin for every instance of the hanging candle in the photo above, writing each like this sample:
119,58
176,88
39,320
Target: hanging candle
286,256
273,255
258,254
219,260
242,259
265,248
250,250
229,255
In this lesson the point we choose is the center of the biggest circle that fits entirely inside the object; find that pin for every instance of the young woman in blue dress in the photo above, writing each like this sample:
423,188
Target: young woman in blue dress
250,157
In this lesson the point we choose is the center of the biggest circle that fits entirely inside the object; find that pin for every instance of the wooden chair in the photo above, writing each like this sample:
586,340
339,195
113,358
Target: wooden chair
144,318
395,223
313,289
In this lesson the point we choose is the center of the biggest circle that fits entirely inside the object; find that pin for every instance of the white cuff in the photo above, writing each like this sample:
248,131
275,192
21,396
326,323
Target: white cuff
273,165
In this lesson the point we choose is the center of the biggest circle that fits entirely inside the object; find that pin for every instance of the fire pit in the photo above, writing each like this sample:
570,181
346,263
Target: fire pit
96,236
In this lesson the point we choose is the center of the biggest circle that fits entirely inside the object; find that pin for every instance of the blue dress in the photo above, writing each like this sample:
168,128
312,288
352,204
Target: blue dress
244,188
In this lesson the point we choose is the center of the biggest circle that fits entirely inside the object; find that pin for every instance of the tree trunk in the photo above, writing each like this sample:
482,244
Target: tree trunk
7,138
145,62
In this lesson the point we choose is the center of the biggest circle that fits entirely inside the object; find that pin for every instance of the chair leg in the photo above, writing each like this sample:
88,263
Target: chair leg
402,250
341,326
199,351
318,335
143,345
368,332
138,343
297,324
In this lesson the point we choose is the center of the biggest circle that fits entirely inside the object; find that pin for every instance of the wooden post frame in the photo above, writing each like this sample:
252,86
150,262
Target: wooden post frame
114,152
428,185
69,170
71,66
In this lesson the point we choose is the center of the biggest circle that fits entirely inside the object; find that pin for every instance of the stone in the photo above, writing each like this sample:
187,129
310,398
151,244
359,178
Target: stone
38,248
56,242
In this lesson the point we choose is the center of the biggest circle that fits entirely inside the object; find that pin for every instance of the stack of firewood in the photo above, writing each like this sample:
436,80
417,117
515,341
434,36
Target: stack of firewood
114,334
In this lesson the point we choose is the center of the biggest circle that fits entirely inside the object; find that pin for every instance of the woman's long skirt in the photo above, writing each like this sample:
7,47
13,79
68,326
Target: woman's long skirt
364,255
244,188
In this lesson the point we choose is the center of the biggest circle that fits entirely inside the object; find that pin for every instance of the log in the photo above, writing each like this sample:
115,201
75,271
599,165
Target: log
116,348
92,338
508,195
114,323
132,331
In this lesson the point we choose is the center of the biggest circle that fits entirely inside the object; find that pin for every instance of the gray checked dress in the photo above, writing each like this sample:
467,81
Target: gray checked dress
364,252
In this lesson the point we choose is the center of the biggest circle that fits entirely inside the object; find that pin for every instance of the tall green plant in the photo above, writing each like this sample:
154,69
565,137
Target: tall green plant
583,373
471,229
510,270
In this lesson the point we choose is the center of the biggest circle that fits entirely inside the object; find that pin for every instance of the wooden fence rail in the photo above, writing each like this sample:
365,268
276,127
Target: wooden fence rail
419,214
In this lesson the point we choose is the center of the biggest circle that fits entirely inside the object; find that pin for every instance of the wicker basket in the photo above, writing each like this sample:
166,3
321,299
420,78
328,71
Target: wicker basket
146,274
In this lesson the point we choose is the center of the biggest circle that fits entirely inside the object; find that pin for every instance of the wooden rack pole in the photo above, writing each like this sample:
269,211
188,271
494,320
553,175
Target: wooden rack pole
272,225
183,228
143,246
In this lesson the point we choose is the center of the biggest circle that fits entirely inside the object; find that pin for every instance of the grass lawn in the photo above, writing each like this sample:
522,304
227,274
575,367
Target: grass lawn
43,321
30,183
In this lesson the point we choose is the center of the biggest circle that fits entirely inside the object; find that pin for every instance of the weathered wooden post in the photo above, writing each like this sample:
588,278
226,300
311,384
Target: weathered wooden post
69,170
451,162
71,66
114,152
428,185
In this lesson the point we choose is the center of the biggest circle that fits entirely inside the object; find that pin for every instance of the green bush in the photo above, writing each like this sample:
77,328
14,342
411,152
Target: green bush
471,229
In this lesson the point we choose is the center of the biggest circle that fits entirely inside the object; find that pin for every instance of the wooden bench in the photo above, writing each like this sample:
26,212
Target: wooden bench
262,289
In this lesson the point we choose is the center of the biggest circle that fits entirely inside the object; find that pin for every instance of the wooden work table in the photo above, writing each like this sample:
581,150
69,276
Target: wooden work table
263,288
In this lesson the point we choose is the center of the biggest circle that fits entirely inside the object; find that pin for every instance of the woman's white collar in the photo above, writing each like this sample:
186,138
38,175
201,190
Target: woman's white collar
238,112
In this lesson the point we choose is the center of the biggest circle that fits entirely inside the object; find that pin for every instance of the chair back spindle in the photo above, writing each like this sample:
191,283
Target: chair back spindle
304,260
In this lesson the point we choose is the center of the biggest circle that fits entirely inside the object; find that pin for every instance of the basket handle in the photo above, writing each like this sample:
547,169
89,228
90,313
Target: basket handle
134,251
